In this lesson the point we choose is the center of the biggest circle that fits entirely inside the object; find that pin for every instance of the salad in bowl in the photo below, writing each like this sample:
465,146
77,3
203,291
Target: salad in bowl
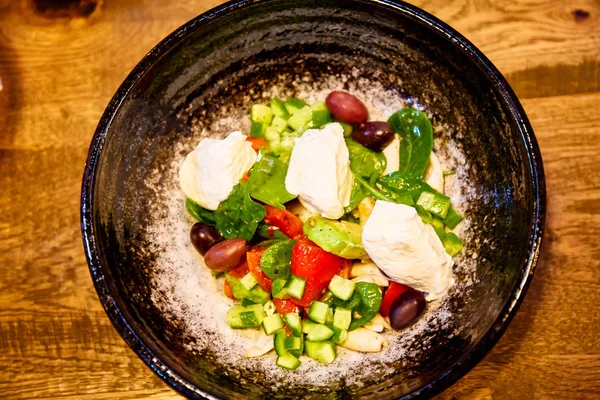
329,228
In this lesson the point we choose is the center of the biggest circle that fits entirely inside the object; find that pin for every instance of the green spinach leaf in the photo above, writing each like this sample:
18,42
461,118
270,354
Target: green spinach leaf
370,301
365,163
275,261
268,181
200,213
402,184
416,142
238,215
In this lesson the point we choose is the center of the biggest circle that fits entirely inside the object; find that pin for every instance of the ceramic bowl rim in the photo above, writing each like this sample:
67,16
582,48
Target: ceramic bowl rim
508,97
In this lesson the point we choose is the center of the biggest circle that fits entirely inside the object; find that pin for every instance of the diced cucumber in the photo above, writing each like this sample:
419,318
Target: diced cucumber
302,117
248,281
278,124
247,302
339,335
272,323
342,318
277,289
269,308
320,115
329,319
294,345
321,351
308,325
295,287
256,294
258,129
294,322
288,361
278,108
453,218
318,311
261,113
245,317
279,342
318,333
341,288
293,105
248,318
438,227
435,203
452,243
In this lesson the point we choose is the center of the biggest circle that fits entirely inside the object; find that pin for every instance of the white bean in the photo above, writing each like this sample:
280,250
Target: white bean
364,340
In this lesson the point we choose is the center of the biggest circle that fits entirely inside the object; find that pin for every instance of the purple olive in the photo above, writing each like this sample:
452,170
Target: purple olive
407,308
226,255
204,237
374,135
346,107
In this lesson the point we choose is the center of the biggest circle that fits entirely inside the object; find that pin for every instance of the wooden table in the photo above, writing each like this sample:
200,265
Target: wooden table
58,73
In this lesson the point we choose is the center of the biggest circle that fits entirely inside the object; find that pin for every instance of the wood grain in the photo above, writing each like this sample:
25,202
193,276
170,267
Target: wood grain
58,74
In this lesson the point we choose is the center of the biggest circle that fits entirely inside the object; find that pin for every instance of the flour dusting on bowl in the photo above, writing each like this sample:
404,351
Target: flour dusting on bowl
186,290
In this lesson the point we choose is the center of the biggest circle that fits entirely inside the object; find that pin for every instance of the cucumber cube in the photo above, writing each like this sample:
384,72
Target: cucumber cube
248,281
453,218
435,203
248,319
300,118
279,342
308,325
320,115
261,113
293,343
295,287
277,289
452,243
293,105
278,124
339,335
272,323
288,361
278,108
257,129
341,288
342,318
318,333
321,351
318,312
294,322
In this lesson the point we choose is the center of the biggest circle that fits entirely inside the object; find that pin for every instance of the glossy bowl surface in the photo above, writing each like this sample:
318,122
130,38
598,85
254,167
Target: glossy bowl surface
201,80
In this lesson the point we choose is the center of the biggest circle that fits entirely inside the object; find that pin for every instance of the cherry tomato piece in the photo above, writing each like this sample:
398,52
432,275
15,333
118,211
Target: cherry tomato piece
289,224
253,259
394,290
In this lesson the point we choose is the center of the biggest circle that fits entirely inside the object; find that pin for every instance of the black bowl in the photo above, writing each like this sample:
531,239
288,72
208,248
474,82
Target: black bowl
200,81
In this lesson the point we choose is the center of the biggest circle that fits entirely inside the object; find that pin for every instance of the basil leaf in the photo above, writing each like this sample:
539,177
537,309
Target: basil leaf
364,162
268,181
416,142
200,213
370,301
275,261
238,216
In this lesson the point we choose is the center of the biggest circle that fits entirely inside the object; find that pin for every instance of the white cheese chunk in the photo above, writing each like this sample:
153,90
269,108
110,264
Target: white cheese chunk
319,172
407,250
392,155
209,173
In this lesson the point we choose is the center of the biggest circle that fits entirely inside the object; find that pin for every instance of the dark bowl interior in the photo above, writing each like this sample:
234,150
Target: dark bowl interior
223,60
